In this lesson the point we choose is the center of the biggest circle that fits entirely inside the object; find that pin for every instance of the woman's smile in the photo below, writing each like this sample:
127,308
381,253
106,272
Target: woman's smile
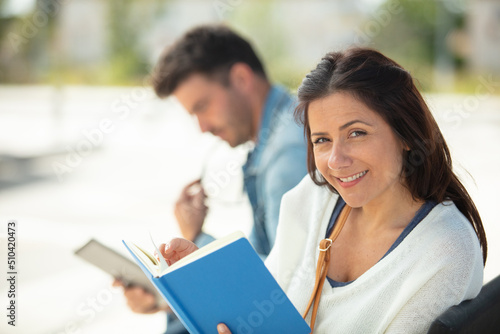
351,180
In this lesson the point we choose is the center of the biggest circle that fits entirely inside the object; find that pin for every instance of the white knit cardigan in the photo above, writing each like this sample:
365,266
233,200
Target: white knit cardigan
439,264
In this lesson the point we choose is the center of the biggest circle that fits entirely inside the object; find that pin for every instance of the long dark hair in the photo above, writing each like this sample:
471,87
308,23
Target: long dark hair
386,88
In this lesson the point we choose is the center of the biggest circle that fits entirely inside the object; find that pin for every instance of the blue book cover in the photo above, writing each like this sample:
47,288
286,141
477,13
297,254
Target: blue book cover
226,281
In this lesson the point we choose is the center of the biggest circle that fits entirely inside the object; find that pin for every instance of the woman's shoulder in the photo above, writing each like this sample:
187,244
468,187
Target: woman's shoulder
448,232
446,217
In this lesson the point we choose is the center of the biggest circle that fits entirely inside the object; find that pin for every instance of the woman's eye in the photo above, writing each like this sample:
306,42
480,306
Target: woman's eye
320,140
357,133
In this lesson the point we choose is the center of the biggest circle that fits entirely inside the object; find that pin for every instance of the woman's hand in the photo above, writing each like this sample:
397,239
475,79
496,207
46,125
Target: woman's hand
222,329
176,249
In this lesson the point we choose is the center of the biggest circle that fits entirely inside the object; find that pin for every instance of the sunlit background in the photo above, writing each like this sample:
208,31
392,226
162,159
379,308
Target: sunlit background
87,151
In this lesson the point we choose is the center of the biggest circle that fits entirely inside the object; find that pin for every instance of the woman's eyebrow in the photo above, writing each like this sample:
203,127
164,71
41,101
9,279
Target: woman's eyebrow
343,127
348,124
319,134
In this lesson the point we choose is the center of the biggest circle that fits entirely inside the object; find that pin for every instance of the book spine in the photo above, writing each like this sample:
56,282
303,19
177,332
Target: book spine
161,283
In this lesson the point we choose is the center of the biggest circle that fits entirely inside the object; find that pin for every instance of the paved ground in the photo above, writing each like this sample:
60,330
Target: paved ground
135,155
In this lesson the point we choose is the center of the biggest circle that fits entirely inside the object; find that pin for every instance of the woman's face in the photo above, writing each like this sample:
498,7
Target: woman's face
355,150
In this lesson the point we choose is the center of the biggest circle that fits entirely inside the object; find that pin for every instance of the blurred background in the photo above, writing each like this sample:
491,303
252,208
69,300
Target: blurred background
87,151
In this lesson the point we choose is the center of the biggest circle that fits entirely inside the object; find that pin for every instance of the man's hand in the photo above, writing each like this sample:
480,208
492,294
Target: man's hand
190,210
138,299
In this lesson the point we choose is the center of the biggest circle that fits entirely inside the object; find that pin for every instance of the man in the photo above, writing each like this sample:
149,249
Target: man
218,78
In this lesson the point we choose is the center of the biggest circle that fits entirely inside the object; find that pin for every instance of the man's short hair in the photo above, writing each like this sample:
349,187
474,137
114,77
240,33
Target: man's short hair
210,50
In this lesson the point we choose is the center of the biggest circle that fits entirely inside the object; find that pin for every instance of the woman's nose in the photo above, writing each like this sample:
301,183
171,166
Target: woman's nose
338,158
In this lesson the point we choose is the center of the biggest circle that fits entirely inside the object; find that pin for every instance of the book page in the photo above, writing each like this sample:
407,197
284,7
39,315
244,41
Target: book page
147,259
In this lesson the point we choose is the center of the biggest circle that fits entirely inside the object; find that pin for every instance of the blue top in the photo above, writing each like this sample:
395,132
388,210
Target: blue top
274,166
421,214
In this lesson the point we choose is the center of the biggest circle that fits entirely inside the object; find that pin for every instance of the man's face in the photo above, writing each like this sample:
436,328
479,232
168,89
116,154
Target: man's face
223,111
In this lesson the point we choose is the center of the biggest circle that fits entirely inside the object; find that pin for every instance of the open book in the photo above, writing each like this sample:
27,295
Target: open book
225,281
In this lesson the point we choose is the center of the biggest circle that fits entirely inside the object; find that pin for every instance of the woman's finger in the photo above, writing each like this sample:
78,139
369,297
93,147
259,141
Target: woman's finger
222,329
176,249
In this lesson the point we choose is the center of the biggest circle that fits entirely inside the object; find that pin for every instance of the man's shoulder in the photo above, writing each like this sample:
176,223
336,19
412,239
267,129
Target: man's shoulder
285,131
285,139
283,107
283,94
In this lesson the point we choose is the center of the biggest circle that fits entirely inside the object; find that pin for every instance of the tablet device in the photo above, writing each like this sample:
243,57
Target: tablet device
117,266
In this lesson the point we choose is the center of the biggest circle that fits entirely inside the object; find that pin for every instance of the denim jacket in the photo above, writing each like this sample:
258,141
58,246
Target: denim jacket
274,166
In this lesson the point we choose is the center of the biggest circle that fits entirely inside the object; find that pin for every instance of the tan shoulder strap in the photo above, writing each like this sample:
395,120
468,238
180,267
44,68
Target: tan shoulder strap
322,266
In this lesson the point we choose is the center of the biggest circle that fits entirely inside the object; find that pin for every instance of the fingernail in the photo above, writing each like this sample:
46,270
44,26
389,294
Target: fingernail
222,328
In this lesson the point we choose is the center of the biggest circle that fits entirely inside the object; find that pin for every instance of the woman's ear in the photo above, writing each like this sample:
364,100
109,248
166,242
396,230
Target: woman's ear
406,147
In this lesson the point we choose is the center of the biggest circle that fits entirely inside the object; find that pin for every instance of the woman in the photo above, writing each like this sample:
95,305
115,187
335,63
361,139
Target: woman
411,244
